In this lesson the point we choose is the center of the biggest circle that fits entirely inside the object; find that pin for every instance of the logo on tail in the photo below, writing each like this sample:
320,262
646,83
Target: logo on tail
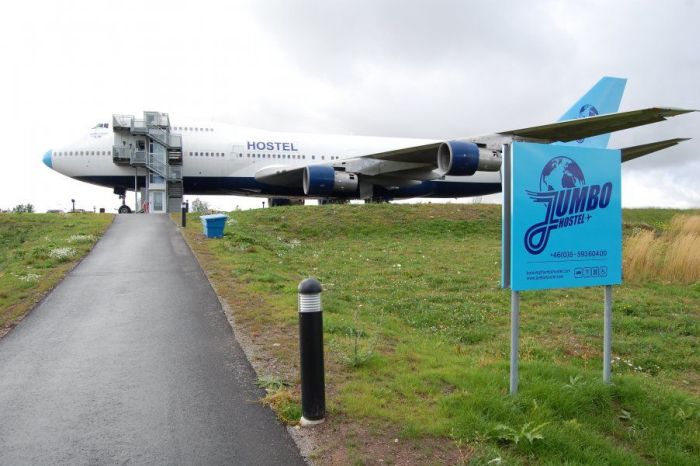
586,111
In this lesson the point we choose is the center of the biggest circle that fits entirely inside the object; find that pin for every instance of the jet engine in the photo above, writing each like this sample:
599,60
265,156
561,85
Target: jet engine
324,181
464,158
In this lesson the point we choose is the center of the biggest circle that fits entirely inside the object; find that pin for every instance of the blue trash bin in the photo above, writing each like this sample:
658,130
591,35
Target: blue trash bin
213,225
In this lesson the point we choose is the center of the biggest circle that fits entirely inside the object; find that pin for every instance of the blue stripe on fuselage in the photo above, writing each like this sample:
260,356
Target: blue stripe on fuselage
248,186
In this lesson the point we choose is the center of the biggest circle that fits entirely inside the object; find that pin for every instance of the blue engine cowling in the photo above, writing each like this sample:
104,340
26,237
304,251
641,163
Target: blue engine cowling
458,158
324,181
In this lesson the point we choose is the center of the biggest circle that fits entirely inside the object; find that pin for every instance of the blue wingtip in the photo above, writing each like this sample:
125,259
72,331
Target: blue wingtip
47,159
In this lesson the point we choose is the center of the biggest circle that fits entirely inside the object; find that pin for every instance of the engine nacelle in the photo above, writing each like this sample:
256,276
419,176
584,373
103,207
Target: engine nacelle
464,158
325,181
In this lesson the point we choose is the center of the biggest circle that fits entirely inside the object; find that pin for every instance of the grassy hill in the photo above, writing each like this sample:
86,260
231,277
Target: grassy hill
36,251
417,340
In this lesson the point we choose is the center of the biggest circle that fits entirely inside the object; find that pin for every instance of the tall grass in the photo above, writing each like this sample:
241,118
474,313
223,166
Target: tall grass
672,255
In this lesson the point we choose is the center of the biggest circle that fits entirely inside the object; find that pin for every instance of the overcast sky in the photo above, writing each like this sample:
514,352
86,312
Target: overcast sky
432,69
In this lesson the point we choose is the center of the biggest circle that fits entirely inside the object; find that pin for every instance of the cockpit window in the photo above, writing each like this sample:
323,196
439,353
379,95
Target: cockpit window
101,125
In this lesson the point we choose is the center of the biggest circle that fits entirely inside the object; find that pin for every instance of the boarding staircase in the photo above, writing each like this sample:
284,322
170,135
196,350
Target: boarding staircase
149,143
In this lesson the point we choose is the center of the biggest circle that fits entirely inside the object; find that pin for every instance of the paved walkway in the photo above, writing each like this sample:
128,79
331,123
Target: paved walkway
130,360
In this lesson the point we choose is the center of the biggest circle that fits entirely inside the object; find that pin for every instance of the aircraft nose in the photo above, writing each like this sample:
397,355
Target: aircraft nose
47,159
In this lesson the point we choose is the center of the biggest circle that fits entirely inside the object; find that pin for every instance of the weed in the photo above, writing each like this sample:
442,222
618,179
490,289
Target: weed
271,383
359,355
460,445
285,404
624,415
574,381
508,434
685,411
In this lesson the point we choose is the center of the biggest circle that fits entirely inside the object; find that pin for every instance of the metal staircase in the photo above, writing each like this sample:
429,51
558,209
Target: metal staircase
149,143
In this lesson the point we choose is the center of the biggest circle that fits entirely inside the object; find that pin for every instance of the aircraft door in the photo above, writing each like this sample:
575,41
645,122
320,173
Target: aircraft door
235,158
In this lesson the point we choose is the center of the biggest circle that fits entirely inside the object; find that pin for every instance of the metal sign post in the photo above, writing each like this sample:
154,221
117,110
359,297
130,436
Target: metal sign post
505,278
514,340
607,334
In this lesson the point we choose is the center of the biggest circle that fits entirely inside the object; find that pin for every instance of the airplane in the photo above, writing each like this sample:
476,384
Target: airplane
199,158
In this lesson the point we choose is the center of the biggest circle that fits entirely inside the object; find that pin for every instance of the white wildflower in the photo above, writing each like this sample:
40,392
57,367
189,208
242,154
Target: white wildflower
30,277
62,253
81,238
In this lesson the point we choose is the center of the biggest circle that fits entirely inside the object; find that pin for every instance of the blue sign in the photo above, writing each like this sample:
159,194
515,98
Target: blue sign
566,217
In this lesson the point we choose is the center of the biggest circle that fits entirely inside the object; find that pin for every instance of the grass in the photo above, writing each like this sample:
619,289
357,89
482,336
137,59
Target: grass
669,252
418,287
36,251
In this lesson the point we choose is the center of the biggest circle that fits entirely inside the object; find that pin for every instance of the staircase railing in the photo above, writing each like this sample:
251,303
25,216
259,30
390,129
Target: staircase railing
157,166
138,157
159,134
174,173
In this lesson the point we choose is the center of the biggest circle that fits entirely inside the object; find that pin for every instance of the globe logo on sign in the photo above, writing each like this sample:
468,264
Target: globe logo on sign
568,200
586,111
561,173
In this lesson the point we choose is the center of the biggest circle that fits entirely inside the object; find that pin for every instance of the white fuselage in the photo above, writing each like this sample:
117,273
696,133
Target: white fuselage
216,155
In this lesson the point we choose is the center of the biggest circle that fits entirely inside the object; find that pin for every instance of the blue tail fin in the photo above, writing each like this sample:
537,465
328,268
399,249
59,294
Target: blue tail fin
603,98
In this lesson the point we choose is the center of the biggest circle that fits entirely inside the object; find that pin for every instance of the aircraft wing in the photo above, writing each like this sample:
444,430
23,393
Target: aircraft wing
581,128
631,153
415,163
389,171
420,162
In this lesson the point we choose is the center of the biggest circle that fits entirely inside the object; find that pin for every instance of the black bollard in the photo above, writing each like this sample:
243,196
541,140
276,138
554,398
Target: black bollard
313,390
183,206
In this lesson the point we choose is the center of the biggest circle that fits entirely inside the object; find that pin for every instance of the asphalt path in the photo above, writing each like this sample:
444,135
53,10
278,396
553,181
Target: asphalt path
131,360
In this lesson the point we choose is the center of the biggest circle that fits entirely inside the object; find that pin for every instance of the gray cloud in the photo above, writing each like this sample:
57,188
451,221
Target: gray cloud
412,68
446,68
